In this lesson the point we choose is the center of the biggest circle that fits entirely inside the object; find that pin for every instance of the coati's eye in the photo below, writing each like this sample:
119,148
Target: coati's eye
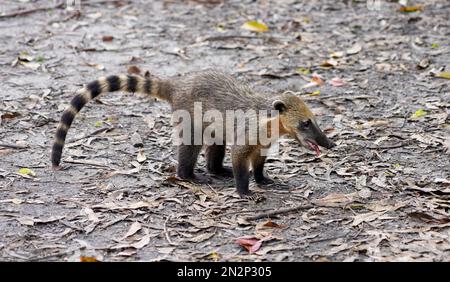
305,124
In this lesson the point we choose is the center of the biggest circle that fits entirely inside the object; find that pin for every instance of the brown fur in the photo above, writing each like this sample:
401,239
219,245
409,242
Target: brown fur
215,90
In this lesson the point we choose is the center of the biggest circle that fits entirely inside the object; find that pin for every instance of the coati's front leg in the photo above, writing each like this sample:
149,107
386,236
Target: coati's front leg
241,167
214,161
240,157
187,158
258,169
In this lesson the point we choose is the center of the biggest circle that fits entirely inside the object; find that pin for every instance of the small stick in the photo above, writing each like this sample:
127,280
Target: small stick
13,146
30,11
98,131
166,232
280,211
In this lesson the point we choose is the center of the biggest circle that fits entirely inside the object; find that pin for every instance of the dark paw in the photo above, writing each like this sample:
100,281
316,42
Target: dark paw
264,180
223,172
197,179
251,196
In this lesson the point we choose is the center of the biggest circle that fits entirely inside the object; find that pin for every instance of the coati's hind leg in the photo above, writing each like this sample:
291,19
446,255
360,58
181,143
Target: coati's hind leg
258,170
187,158
214,161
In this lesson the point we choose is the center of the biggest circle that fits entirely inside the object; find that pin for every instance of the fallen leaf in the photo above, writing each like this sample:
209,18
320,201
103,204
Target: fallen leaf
336,199
142,243
355,49
304,71
134,70
16,201
338,54
428,218
165,250
424,63
88,259
445,75
127,252
251,244
141,156
27,171
410,9
317,79
330,63
26,220
418,114
366,217
337,82
315,93
96,66
268,224
90,214
435,45
201,237
150,121
255,26
107,38
134,228
10,115
214,256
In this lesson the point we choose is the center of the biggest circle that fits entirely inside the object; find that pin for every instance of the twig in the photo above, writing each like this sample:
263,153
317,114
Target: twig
280,211
30,11
387,147
237,212
13,146
98,131
166,233
85,162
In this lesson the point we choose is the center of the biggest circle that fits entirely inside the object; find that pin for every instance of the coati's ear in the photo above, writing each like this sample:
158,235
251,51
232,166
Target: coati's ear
279,106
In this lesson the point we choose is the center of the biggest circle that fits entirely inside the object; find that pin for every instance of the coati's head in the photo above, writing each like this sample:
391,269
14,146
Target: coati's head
299,122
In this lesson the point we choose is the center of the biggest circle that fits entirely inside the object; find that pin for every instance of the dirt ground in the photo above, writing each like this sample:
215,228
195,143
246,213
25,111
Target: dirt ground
374,75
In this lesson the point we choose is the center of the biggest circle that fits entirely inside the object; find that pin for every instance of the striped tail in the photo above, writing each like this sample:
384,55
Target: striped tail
128,83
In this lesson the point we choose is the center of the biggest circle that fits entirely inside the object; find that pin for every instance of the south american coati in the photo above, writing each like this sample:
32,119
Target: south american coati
214,90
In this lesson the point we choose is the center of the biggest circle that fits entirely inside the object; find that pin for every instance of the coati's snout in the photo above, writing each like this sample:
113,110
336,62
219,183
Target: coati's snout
299,122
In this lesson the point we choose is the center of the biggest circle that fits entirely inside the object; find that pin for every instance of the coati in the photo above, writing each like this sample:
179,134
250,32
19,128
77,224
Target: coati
214,90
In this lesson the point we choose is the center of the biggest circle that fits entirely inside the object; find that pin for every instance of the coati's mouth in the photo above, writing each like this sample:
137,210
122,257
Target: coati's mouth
312,145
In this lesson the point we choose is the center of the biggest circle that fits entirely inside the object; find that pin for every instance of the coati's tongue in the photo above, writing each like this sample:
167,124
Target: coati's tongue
314,146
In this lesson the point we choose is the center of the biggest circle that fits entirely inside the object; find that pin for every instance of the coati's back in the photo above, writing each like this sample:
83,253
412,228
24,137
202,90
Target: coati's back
215,90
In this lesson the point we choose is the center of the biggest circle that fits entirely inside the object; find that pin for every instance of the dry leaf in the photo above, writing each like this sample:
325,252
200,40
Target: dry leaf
201,237
134,228
255,26
251,244
355,49
366,217
418,114
443,75
141,156
26,220
337,82
330,63
336,199
410,9
142,243
134,70
107,38
27,171
96,66
268,224
88,259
